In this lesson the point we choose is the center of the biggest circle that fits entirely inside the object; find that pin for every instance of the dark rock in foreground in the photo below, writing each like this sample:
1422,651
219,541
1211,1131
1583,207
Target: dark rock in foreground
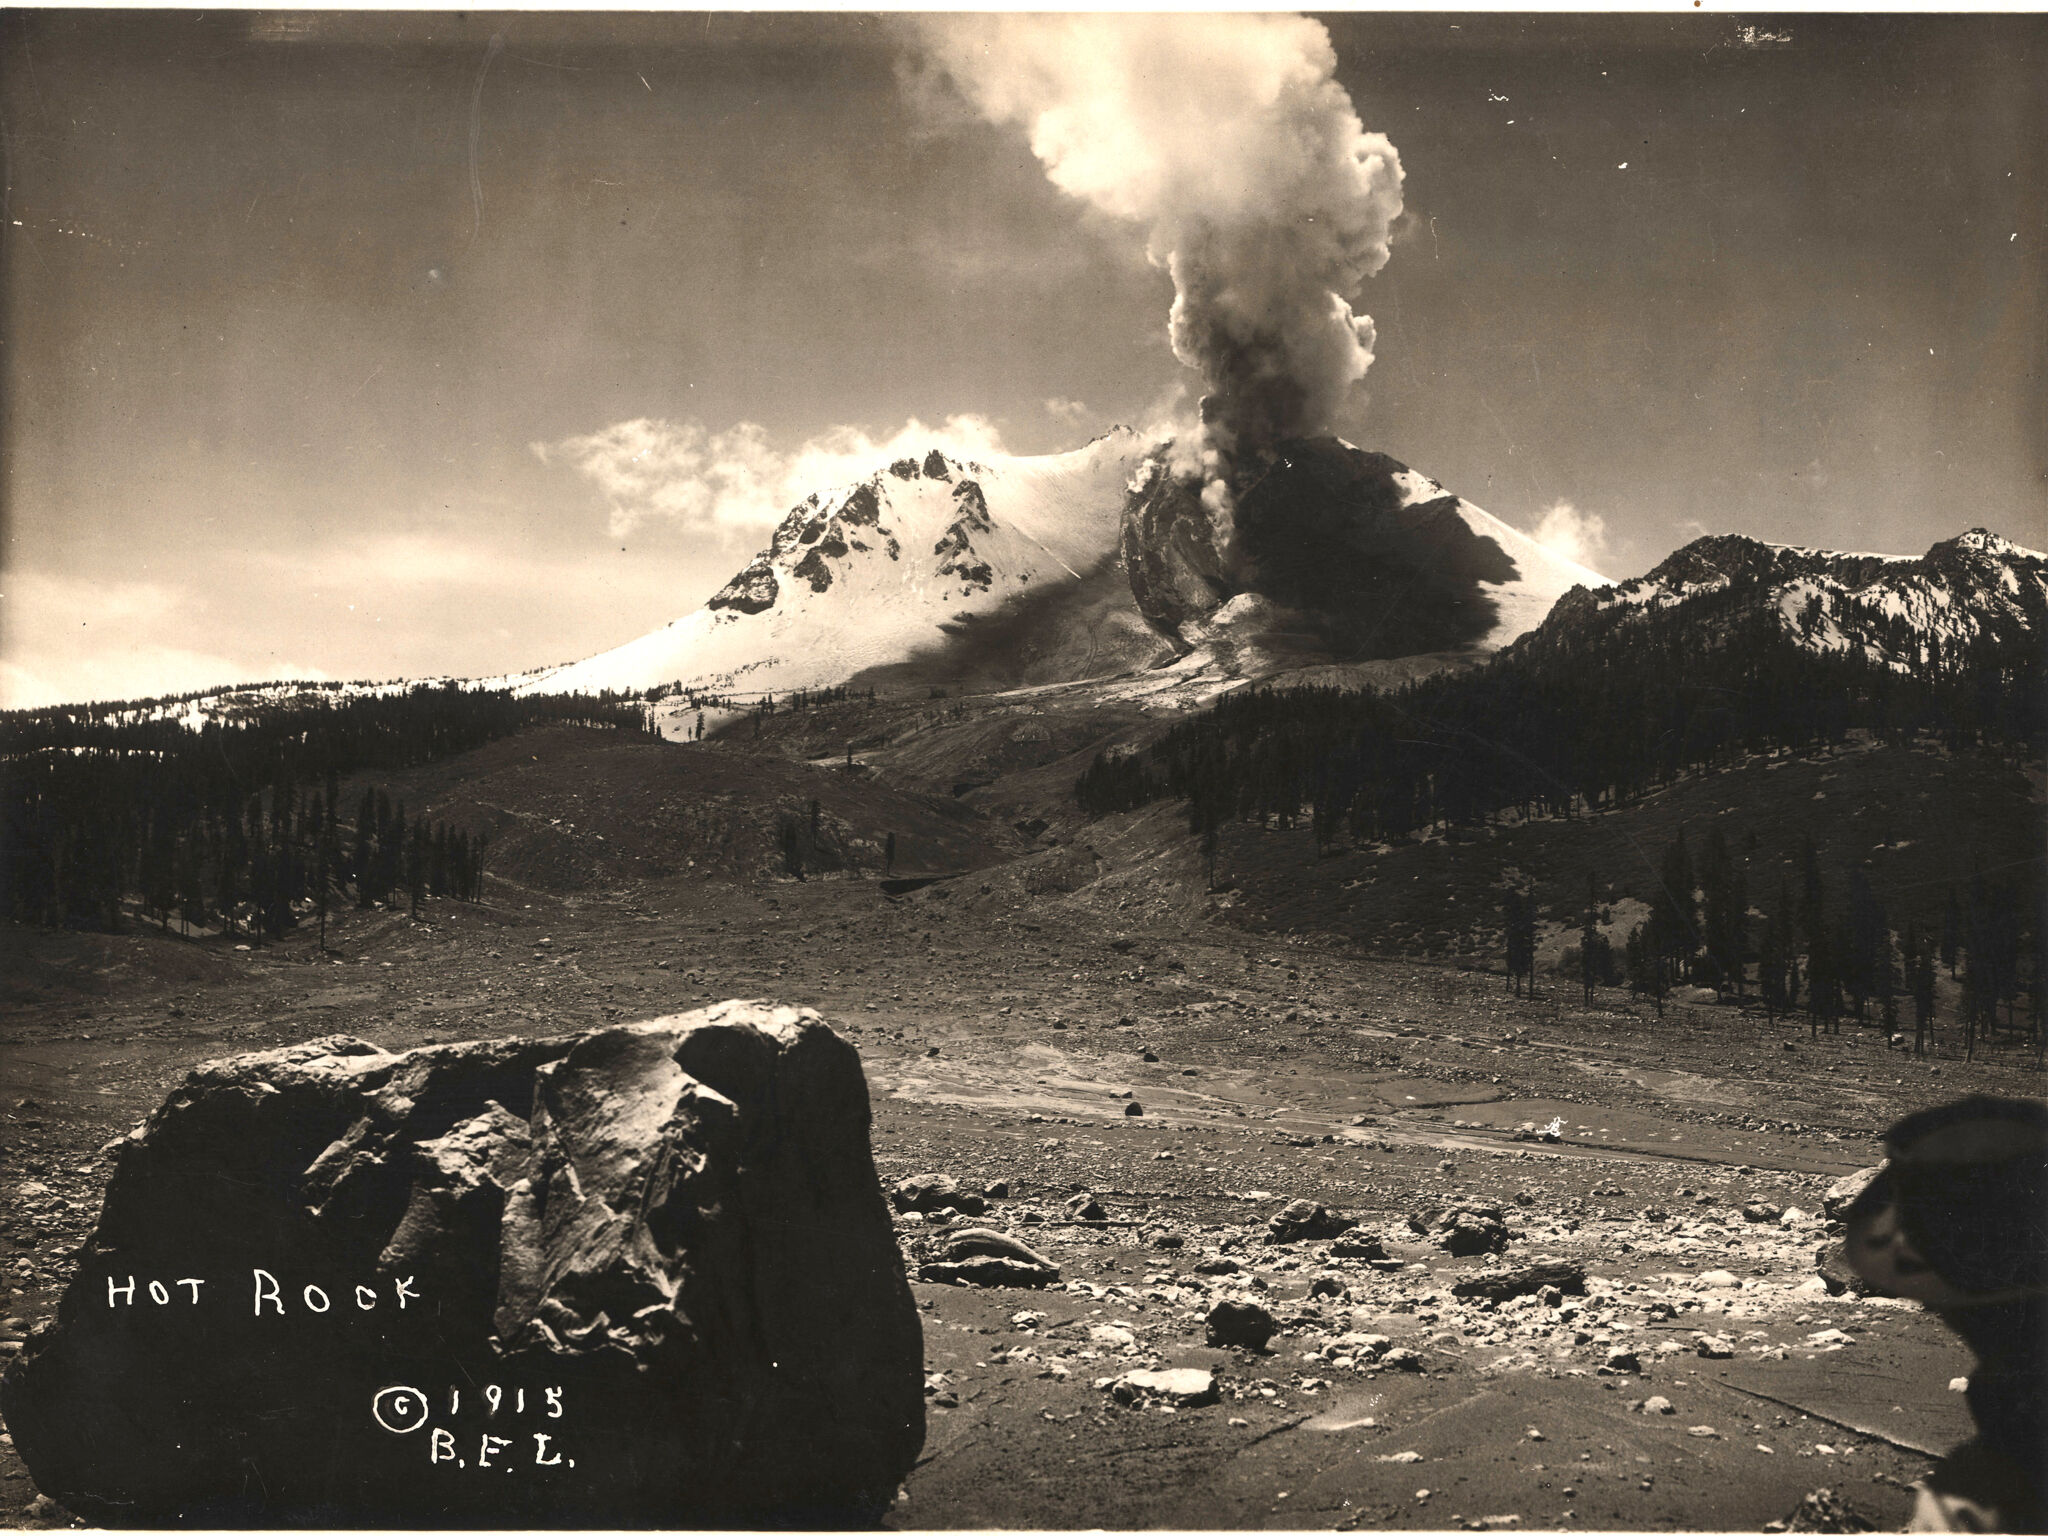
1466,1230
1245,1324
1357,1244
978,1256
1305,1219
1504,1285
927,1192
1845,1192
1835,1271
643,1276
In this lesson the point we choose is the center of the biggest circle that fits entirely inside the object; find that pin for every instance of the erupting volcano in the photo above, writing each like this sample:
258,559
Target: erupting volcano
1242,543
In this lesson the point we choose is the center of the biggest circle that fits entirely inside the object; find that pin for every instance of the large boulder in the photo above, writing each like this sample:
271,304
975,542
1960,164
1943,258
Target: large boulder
1302,1219
1568,1277
643,1276
978,1256
1465,1230
927,1192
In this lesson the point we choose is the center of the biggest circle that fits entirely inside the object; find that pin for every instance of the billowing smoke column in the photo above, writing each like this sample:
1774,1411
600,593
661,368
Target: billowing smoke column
1263,195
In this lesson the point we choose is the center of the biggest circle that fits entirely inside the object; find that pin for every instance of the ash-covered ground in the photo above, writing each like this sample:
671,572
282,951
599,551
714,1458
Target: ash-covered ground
1706,1379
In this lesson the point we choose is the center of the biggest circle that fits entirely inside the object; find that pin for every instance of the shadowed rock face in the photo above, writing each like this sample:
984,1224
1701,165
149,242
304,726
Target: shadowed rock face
643,1276
1321,529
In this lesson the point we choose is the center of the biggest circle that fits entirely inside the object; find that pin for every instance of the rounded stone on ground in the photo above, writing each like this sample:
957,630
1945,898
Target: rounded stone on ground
1243,1324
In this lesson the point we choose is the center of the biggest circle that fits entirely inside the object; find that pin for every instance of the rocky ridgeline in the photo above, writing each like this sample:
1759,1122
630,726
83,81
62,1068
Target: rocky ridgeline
641,1276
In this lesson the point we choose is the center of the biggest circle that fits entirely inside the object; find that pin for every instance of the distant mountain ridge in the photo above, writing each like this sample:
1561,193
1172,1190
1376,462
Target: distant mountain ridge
1900,611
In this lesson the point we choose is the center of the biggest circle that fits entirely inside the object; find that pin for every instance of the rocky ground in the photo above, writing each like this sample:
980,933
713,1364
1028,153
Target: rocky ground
1134,1095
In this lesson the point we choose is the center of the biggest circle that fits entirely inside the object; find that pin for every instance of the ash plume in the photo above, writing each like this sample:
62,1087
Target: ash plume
1261,192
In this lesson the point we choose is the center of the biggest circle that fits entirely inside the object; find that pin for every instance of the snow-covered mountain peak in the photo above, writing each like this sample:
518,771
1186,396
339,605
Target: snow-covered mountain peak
865,574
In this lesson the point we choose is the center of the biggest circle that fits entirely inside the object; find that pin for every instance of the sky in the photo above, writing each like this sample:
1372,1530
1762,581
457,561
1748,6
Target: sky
377,344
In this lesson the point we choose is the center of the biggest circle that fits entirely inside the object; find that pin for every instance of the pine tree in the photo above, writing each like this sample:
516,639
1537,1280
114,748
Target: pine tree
1865,941
1724,919
792,847
1920,977
1590,940
416,861
1518,914
1646,966
366,830
1776,969
1673,926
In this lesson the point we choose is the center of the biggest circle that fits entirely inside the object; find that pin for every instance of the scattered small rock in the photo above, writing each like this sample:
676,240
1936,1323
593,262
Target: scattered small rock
1822,1510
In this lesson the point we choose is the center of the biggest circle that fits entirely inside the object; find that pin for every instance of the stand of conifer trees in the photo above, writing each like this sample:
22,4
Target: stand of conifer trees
1567,722
1543,730
236,824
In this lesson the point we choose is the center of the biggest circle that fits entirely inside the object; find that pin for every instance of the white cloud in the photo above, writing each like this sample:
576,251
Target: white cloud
1576,535
737,481
68,639
1072,412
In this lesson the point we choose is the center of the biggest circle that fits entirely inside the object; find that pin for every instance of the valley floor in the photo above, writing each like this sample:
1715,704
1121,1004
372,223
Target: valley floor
1004,1037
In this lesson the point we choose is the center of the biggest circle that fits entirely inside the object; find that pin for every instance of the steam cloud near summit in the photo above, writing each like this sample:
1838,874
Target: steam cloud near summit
738,483
1262,194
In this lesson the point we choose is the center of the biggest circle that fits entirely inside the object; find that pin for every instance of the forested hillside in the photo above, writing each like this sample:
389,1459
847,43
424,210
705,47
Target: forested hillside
238,824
